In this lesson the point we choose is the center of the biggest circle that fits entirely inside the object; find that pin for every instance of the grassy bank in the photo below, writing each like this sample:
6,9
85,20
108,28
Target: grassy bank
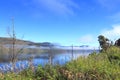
97,66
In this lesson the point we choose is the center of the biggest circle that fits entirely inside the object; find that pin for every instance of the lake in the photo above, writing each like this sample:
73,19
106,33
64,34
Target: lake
43,59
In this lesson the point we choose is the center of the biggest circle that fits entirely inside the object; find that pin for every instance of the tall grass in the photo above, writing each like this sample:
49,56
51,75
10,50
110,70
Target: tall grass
96,66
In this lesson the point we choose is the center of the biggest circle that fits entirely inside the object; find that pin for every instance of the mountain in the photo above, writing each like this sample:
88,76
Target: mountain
7,40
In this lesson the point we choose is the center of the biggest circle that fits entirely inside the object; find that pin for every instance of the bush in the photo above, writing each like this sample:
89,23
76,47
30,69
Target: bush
113,54
97,66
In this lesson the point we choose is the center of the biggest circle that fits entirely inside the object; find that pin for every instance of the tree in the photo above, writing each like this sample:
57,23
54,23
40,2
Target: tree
104,42
117,42
13,50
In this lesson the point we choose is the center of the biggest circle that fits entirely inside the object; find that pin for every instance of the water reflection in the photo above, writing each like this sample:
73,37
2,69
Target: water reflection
43,59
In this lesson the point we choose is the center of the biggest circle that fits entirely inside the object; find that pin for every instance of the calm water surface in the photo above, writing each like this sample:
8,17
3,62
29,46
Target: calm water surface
42,59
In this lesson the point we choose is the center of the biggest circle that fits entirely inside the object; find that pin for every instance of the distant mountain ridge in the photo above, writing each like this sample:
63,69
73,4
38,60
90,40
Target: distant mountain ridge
7,40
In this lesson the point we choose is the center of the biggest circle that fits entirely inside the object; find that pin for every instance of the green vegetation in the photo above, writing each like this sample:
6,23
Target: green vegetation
102,66
117,42
97,66
104,42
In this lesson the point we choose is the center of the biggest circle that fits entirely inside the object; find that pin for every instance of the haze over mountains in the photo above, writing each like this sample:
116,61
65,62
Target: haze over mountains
7,40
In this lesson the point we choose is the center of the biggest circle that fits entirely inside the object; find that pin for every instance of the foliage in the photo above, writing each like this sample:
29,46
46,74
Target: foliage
113,54
117,42
97,66
104,42
47,72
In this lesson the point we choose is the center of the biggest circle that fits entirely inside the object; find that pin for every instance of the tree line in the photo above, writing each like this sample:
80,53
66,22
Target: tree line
105,43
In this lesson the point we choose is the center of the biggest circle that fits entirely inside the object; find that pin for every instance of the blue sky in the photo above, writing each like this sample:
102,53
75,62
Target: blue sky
65,22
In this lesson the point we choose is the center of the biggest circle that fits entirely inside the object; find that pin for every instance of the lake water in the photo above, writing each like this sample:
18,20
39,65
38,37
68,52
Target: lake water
45,58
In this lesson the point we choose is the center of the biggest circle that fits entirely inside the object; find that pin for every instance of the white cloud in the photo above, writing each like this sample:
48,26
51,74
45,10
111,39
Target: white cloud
89,40
86,39
64,7
113,33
